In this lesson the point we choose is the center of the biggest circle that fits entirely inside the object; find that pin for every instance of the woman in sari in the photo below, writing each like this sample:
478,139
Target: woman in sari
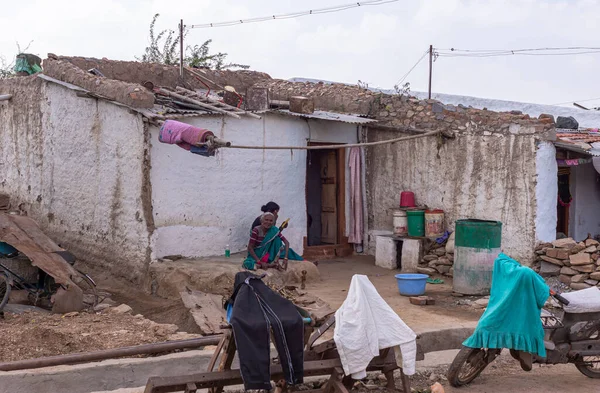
267,246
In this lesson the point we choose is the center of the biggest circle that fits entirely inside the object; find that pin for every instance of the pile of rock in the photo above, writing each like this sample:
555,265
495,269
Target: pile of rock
575,264
439,259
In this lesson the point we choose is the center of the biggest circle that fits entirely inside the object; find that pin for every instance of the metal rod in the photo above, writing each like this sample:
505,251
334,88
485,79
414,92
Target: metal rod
181,48
327,147
86,357
5,97
430,67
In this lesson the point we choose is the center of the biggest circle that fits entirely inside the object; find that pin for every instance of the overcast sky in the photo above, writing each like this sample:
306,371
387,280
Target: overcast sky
376,45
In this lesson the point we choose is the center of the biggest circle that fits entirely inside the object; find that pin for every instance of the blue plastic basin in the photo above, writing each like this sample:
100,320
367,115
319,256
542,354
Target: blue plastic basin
411,284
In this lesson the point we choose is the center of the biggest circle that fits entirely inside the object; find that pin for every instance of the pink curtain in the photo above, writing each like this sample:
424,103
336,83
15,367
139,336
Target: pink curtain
356,198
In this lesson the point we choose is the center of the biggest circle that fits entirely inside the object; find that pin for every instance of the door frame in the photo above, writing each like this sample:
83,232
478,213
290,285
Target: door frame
340,191
566,171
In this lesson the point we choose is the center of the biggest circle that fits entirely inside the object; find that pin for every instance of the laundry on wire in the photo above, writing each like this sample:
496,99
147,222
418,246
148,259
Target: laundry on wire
183,135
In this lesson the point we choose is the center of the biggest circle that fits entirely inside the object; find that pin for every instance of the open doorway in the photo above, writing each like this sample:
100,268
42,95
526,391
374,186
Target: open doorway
325,202
564,201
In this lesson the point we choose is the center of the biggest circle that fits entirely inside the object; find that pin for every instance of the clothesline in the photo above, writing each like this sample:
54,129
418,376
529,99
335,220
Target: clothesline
324,147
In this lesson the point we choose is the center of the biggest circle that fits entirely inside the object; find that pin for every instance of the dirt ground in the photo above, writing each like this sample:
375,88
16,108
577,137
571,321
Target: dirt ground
505,375
33,334
448,312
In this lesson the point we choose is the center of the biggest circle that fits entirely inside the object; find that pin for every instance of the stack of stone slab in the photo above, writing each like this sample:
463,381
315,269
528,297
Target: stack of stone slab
575,264
439,259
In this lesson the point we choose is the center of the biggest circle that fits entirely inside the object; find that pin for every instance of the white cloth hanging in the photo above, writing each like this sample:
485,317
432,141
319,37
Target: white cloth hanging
364,324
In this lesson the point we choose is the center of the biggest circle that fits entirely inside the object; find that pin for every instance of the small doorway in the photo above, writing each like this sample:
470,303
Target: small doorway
325,202
564,200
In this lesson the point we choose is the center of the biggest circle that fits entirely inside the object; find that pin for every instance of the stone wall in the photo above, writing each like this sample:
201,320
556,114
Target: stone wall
163,75
77,166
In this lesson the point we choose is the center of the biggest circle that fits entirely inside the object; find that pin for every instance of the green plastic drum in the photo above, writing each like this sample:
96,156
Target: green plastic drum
416,223
477,244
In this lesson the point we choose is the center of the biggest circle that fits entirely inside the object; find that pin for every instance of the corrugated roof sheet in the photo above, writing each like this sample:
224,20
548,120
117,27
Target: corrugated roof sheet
579,142
322,115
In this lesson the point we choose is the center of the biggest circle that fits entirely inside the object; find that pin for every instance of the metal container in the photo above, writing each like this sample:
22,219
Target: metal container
434,223
477,245
400,223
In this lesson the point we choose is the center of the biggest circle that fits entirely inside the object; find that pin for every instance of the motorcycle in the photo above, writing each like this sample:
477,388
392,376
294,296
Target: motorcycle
572,338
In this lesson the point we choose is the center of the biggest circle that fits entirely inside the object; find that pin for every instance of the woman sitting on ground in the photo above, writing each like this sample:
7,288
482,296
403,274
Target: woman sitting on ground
270,207
267,246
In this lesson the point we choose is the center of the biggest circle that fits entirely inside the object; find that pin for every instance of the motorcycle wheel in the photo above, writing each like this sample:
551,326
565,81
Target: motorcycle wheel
589,366
467,365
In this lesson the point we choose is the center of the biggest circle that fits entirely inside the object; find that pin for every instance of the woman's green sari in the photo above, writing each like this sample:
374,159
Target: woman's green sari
273,246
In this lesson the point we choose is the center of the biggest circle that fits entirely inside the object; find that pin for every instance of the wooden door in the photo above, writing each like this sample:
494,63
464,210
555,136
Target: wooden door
329,208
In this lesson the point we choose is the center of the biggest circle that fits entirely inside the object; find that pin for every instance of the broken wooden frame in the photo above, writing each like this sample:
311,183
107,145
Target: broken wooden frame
319,360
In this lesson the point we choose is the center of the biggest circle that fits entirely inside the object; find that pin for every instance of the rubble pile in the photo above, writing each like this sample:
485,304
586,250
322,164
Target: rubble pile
439,258
575,264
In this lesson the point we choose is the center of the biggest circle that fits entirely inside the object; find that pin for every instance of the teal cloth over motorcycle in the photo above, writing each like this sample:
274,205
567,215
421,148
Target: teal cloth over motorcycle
272,245
512,318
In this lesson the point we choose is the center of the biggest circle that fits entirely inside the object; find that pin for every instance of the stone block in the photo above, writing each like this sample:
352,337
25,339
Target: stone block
302,105
579,278
429,258
562,254
579,286
257,99
585,268
564,243
549,269
590,249
591,282
568,271
386,252
595,276
443,269
444,261
551,252
426,270
565,279
577,249
122,309
440,252
552,260
418,300
411,254
591,242
580,259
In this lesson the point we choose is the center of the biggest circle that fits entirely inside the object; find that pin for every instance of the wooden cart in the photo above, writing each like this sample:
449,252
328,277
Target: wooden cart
320,359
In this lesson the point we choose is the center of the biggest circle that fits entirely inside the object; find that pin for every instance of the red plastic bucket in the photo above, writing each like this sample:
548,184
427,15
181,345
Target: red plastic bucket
407,199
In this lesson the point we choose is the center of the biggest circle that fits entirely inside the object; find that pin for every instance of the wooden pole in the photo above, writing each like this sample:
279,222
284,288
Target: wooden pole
181,48
430,67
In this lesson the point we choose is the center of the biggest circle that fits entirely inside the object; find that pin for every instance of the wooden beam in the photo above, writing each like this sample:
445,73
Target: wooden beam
216,102
196,102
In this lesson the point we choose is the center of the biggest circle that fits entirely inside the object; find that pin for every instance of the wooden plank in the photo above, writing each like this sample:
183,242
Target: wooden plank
231,377
23,234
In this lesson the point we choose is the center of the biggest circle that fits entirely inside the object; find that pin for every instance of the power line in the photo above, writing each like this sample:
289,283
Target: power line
412,68
566,51
294,14
572,101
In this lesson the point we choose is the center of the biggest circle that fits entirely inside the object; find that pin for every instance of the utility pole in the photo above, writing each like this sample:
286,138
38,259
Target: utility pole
181,49
430,67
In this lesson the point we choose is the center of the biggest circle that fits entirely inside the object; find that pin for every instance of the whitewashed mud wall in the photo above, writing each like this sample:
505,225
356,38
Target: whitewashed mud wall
202,204
546,190
482,175
76,165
